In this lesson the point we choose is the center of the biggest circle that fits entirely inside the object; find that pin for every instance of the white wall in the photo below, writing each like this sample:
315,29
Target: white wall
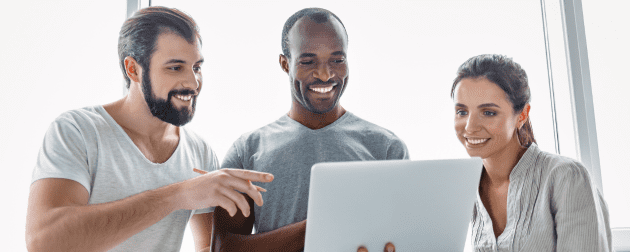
61,55
54,56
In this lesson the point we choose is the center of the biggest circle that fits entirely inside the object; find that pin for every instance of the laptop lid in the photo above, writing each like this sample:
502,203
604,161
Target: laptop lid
416,205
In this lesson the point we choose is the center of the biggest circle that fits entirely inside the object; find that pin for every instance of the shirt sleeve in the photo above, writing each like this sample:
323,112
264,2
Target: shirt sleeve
579,217
397,149
63,154
232,157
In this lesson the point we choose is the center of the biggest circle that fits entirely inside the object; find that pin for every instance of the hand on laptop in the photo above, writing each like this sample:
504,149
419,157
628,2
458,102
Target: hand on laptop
389,247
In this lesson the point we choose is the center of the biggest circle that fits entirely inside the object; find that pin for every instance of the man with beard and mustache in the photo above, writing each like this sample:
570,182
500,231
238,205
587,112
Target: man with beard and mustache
119,177
316,129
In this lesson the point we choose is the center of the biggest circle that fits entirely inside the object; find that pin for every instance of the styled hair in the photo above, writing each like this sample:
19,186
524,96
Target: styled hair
139,33
509,76
318,15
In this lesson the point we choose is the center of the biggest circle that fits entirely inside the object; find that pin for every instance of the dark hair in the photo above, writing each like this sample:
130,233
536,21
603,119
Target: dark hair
509,76
318,15
139,33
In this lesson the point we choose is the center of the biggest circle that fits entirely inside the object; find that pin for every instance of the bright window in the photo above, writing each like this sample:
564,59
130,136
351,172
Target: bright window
607,37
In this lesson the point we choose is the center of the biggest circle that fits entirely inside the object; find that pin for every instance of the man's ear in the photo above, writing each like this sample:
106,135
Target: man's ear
522,118
284,63
133,69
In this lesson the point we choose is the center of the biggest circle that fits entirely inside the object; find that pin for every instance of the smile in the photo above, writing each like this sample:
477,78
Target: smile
322,89
476,140
184,97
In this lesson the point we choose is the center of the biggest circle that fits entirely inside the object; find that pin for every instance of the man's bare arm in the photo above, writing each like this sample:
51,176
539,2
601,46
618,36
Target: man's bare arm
59,218
234,234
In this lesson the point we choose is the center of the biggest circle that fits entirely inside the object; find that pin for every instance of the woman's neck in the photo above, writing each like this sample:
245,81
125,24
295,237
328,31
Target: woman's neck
499,166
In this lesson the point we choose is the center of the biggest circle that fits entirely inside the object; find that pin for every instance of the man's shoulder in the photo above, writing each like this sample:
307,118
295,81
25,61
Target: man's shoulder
356,123
195,140
83,118
279,127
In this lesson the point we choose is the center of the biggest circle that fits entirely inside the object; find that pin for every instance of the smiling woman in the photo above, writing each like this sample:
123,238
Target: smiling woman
529,200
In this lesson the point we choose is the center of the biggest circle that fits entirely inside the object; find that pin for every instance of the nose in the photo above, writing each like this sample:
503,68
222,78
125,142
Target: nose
472,124
323,73
192,80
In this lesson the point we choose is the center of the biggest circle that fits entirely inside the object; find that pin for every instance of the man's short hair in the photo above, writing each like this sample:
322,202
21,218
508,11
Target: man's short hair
139,33
318,15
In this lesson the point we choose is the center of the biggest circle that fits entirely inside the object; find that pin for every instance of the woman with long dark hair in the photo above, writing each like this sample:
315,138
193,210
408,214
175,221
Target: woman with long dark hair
528,199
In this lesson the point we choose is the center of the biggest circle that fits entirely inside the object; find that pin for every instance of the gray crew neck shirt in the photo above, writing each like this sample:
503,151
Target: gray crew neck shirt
288,150
88,146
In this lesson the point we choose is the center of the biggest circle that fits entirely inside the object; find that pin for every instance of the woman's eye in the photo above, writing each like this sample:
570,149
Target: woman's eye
175,68
489,113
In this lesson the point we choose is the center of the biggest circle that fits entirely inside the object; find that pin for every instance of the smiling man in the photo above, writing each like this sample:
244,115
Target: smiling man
119,177
316,129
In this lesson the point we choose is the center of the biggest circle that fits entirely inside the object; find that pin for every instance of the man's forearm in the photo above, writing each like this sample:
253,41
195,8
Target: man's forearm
287,238
101,227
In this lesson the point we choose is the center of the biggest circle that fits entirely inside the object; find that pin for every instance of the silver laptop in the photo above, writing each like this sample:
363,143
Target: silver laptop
416,205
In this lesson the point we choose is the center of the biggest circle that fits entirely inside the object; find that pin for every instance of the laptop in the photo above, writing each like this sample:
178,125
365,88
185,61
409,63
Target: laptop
416,205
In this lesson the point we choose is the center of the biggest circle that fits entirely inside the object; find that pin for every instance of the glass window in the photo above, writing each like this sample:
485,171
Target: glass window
606,26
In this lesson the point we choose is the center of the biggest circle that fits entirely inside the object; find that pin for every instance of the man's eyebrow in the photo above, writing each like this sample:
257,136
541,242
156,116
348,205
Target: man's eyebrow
339,53
460,105
304,55
172,61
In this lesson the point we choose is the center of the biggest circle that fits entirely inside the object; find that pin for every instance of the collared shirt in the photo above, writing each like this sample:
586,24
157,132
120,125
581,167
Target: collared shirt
552,205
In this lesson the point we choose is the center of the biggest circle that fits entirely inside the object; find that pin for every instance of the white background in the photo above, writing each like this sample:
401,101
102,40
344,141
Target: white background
61,55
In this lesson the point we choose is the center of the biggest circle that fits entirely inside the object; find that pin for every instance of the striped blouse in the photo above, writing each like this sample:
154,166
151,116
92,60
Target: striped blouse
552,205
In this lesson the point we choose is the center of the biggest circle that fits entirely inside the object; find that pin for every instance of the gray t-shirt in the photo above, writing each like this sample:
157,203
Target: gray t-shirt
88,146
552,205
288,150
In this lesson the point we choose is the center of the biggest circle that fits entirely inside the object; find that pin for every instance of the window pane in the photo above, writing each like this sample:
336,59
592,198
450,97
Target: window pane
606,25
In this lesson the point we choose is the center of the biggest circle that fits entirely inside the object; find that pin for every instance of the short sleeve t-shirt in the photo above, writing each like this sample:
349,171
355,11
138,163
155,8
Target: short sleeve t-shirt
88,146
288,150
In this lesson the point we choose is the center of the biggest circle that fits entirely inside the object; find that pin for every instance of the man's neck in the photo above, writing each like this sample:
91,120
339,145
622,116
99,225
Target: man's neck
312,120
133,115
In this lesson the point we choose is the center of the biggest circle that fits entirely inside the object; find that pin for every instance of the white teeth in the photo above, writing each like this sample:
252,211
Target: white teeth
323,90
476,141
184,98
